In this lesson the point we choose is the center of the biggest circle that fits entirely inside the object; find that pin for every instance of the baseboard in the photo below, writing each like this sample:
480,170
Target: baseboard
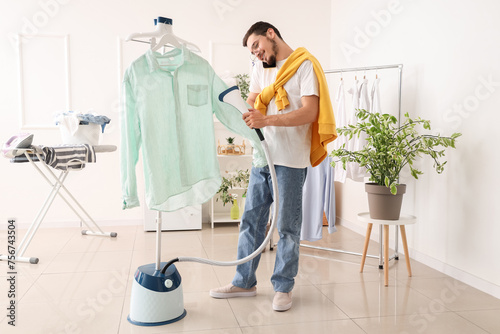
458,274
350,225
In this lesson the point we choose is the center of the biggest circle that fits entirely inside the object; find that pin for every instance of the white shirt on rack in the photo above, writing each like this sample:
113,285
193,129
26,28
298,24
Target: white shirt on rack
375,95
342,121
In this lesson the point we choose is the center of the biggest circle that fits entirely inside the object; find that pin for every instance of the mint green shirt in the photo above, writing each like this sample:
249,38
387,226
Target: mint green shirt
168,103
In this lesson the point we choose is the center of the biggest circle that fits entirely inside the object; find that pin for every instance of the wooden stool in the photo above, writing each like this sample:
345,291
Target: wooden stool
401,222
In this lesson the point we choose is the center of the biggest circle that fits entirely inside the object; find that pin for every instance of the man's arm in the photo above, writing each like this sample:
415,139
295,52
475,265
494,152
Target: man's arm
251,98
304,115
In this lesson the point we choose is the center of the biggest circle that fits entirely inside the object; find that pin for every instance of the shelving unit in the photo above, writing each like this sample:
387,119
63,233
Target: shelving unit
222,218
243,161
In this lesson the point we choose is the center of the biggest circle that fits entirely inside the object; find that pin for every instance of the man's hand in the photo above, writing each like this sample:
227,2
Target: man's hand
254,119
307,114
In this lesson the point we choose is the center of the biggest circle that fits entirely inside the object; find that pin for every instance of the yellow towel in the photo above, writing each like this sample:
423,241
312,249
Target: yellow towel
323,129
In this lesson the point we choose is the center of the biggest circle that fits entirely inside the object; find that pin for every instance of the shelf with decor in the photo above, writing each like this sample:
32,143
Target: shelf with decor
235,161
234,156
235,182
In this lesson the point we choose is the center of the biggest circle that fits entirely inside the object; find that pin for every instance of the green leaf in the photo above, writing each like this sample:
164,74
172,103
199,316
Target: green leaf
414,173
394,189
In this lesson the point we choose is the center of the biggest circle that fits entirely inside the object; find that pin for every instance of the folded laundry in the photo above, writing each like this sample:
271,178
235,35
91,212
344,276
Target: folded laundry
97,119
71,120
66,157
23,158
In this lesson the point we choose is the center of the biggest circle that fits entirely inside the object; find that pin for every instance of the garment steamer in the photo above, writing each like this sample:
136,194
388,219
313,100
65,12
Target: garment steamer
157,297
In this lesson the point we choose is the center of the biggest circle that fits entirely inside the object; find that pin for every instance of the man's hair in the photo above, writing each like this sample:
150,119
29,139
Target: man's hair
260,28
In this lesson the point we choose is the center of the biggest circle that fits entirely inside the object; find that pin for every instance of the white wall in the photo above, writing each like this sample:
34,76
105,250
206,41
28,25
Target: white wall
95,29
451,77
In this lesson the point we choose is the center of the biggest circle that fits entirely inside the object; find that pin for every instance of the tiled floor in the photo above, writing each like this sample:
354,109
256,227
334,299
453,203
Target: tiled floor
83,285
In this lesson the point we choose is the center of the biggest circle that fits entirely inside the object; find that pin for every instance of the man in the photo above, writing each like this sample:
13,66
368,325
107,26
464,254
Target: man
286,93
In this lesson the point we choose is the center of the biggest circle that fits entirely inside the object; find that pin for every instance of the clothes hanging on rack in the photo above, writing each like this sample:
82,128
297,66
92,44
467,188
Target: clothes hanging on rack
359,173
342,121
374,109
375,97
360,100
354,91
352,169
364,96
318,197
168,105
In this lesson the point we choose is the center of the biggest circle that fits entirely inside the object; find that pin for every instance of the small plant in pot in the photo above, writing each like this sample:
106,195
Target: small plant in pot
390,147
238,179
230,145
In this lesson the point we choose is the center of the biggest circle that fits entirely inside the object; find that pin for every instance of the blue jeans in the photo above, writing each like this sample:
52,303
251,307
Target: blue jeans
254,221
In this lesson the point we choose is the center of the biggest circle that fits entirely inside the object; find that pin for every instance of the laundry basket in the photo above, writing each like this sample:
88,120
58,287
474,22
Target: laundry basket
78,128
85,134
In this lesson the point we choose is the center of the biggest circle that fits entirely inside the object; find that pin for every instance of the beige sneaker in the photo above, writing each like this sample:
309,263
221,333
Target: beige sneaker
282,301
231,291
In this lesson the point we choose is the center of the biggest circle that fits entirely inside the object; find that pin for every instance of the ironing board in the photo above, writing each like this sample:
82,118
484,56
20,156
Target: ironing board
34,154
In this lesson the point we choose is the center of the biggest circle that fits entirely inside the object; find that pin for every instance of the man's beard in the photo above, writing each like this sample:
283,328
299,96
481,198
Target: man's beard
271,61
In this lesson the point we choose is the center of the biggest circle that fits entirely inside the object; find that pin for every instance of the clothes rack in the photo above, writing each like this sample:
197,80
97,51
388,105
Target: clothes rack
375,68
399,67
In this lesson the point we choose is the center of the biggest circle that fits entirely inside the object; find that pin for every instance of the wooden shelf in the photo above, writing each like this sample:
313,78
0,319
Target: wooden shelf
216,216
233,155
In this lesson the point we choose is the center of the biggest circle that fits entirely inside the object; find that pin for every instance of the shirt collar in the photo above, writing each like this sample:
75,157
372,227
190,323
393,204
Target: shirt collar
280,63
152,57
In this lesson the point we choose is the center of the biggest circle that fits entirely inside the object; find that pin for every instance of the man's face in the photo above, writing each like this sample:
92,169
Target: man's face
263,48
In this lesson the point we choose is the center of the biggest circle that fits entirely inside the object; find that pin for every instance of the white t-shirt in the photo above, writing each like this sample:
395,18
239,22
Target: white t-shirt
289,146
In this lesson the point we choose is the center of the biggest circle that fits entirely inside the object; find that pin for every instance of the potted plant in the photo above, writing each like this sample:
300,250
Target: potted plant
390,147
238,179
230,145
223,191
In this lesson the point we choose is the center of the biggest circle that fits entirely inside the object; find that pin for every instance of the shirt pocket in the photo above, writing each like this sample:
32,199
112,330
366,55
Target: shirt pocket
197,95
